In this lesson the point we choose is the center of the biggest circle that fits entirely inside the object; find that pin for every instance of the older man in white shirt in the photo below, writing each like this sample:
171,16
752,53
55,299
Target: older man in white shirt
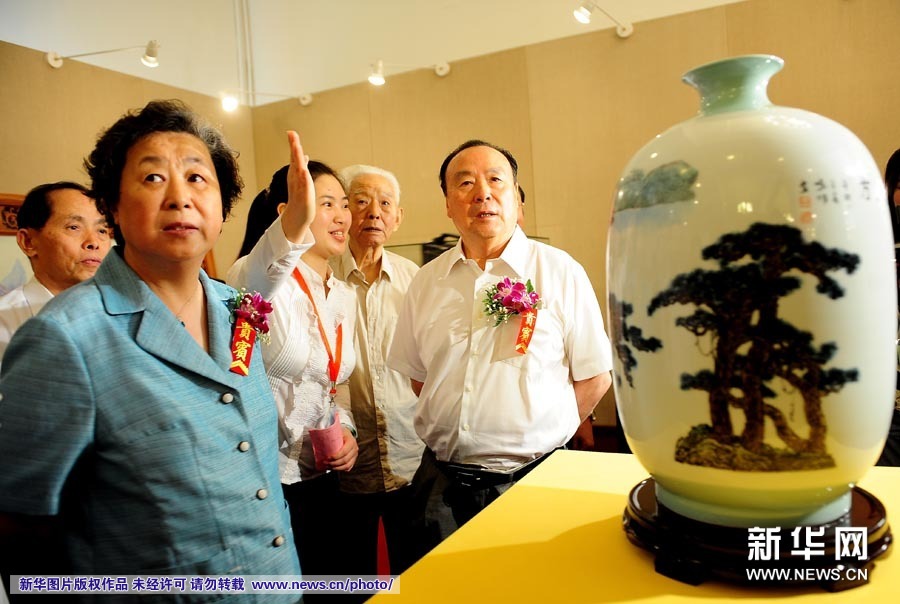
495,399
65,238
383,403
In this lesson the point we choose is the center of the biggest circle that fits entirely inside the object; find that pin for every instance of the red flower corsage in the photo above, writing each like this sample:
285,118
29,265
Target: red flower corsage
250,313
512,297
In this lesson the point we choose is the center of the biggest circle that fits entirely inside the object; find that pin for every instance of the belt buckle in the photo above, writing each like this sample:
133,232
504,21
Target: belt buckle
466,477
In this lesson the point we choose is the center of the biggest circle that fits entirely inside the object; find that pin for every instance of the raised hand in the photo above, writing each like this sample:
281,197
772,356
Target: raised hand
301,206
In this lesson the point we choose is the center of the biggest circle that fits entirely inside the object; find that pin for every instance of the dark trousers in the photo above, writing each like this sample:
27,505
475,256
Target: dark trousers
316,525
362,512
442,505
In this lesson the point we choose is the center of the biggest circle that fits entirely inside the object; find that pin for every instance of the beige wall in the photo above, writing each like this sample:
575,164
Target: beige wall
573,111
51,119
408,126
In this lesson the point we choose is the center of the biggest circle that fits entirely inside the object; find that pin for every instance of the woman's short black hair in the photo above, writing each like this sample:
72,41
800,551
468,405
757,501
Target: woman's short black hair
264,209
107,161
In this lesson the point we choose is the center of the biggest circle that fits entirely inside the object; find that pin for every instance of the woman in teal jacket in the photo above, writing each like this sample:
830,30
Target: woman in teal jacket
119,414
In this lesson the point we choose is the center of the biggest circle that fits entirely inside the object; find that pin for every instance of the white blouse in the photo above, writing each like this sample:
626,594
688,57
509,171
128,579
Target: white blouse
295,357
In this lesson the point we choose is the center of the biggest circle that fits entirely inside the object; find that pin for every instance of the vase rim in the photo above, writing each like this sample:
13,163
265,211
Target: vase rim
760,56
734,83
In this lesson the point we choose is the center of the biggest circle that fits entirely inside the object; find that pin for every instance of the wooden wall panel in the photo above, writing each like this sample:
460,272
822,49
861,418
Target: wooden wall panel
408,126
333,129
595,100
51,119
418,118
841,57
573,111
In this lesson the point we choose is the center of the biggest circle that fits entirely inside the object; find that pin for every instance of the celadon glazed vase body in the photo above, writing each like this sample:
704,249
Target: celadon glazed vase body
752,307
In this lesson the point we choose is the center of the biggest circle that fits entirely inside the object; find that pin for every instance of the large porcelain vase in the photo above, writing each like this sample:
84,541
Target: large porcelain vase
752,307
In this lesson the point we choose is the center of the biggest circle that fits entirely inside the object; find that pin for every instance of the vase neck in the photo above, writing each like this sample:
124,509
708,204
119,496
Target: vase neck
736,84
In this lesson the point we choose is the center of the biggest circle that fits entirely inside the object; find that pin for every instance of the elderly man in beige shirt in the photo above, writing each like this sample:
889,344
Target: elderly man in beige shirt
382,400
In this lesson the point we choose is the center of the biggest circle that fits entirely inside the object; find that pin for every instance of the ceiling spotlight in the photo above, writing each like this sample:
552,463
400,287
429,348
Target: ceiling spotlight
151,54
305,99
230,102
150,58
376,78
442,69
583,13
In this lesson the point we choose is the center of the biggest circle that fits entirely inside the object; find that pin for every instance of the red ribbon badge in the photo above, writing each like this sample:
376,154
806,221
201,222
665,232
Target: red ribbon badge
526,330
242,347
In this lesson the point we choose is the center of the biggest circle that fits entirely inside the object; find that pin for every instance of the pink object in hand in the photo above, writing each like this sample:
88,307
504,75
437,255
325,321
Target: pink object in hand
326,442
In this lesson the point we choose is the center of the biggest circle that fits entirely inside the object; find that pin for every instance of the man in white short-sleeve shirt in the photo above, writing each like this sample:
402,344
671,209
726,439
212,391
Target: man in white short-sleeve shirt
487,411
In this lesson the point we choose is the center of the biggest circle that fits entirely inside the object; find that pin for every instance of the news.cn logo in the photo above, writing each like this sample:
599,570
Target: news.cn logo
764,544
808,543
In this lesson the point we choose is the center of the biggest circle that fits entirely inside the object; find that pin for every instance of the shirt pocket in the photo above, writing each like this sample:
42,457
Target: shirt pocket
545,349
503,342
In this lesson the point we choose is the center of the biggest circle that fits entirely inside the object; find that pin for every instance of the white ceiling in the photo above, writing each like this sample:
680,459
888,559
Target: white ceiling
292,47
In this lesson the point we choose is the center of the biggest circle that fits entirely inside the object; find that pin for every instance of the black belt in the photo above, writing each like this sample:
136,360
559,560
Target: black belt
476,477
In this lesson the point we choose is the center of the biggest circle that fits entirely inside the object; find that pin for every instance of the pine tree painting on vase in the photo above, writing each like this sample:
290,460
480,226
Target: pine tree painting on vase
750,265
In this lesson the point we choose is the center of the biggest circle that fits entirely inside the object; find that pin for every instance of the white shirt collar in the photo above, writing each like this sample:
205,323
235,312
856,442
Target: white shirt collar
36,294
347,265
314,279
514,254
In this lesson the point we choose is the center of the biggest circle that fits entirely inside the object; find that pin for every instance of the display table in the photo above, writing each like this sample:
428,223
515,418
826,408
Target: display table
557,536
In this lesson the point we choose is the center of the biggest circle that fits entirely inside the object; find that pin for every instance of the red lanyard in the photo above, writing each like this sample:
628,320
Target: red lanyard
334,361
